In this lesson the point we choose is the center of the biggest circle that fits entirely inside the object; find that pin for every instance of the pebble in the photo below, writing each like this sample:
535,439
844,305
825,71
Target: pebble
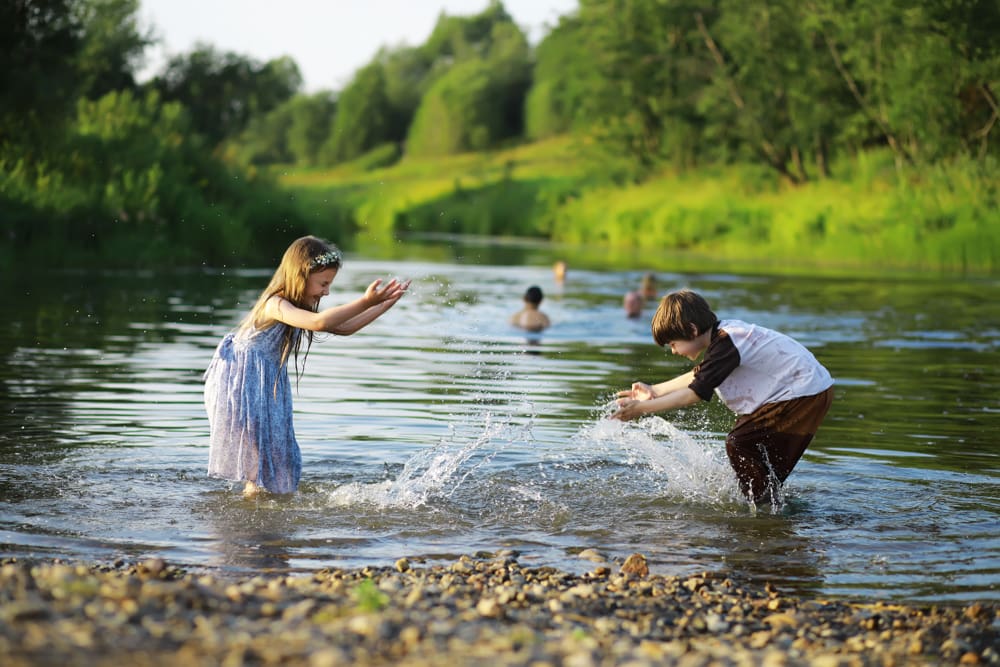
481,609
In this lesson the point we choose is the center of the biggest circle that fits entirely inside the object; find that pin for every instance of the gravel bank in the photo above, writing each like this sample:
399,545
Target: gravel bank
485,611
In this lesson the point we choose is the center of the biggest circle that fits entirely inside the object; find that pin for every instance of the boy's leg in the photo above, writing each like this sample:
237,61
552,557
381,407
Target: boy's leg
764,446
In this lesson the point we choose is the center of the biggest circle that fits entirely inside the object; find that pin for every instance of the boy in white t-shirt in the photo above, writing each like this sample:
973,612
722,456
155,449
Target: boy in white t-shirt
778,390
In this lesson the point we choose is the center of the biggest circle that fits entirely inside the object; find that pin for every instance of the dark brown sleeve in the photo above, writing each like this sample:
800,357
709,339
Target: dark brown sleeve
721,359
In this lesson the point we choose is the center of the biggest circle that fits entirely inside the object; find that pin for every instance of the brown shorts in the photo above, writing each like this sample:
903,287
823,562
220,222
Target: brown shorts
765,445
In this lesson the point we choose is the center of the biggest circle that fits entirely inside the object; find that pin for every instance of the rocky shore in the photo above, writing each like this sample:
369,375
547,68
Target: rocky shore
486,610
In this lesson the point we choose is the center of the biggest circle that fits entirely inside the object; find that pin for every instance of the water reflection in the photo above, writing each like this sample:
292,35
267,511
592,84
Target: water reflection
774,548
248,535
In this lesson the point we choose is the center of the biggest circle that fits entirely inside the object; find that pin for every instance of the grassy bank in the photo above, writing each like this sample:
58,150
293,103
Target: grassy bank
867,215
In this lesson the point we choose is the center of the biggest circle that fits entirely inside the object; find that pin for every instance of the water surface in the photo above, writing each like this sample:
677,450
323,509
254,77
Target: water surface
441,431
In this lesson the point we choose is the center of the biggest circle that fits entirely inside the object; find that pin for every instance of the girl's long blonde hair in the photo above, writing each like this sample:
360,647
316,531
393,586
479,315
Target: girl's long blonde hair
303,257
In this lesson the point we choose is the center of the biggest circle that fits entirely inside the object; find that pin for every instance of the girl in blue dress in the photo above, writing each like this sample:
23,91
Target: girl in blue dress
248,394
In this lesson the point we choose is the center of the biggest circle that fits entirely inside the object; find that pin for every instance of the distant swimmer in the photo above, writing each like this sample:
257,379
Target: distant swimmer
530,317
559,271
632,303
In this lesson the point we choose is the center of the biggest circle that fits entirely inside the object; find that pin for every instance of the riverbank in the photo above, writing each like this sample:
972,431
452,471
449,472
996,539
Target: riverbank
868,213
489,610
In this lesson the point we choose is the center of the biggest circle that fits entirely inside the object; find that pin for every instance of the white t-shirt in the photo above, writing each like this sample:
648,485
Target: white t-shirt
748,366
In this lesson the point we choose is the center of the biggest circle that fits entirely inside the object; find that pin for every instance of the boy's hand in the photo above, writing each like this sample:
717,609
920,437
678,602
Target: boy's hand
640,391
628,409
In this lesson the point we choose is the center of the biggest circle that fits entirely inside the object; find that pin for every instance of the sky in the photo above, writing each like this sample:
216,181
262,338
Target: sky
328,39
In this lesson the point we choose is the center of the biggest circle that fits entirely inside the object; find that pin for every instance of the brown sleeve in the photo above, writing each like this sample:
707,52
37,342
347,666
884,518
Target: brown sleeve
721,358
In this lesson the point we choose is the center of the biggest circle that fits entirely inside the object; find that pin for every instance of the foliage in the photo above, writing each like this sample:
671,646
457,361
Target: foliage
478,102
936,219
294,132
113,47
132,185
368,597
866,214
562,75
54,51
825,130
363,116
791,85
224,91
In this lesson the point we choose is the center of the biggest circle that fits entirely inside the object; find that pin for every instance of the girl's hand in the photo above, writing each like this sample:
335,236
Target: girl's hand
392,291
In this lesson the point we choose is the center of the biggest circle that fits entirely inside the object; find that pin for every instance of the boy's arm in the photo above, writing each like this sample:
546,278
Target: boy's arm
630,408
641,391
670,386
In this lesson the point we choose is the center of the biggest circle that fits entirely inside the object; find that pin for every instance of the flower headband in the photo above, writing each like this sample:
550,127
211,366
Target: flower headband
326,260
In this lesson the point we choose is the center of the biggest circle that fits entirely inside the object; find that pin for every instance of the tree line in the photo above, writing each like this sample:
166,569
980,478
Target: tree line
788,84
99,158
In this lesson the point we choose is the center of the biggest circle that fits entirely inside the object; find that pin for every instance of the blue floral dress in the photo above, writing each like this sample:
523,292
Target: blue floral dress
249,401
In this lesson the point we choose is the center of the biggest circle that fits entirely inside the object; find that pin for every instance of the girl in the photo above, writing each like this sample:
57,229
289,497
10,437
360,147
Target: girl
247,390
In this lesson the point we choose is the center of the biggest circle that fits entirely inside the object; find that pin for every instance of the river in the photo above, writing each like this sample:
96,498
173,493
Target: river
440,430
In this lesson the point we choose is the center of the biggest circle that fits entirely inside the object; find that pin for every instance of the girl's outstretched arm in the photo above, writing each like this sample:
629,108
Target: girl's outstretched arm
330,319
371,314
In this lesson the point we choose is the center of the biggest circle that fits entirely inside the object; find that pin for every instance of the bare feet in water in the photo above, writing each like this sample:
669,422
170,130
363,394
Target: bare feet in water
251,490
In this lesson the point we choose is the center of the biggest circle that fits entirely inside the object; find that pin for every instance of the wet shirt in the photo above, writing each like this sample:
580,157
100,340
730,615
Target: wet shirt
748,366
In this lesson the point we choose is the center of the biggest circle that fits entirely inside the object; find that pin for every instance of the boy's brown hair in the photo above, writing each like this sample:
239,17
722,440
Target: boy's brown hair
682,315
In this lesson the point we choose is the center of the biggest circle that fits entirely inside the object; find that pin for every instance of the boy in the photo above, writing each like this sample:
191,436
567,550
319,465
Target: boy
778,390
530,317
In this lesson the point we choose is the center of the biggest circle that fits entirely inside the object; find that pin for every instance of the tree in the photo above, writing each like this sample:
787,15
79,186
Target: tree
770,95
478,101
39,43
407,74
650,72
54,51
113,46
223,91
310,118
363,119
563,74
921,75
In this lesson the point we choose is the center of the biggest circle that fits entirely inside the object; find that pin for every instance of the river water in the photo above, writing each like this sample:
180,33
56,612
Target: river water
441,431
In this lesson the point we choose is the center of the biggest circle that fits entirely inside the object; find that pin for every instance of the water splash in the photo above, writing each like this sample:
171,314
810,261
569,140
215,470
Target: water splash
439,471
689,466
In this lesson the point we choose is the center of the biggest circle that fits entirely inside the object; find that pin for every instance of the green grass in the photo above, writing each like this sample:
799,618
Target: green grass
867,216
368,597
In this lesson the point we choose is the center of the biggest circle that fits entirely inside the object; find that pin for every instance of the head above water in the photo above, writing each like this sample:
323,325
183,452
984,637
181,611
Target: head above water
559,270
682,315
632,302
648,286
533,295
